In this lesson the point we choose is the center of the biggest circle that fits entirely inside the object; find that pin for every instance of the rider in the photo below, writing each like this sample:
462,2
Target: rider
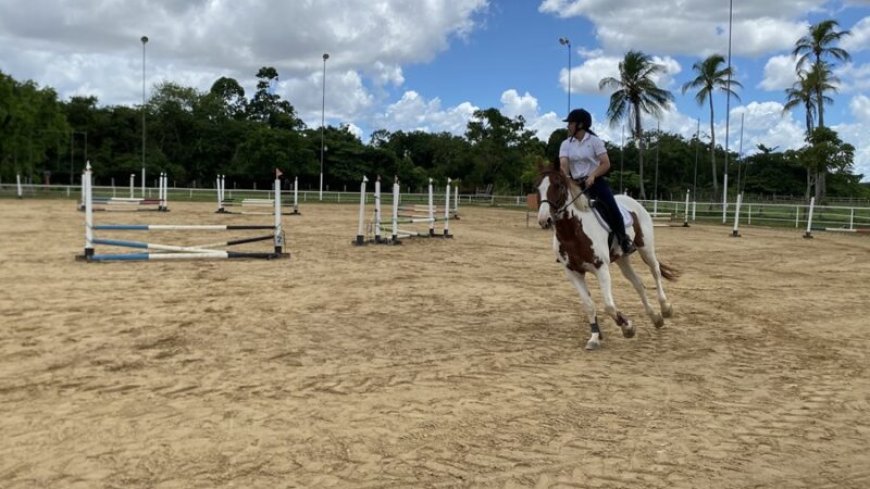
583,158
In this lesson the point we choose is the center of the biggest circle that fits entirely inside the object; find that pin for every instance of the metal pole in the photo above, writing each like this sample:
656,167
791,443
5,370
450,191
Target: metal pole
322,122
727,115
740,182
567,42
621,158
144,40
697,150
658,144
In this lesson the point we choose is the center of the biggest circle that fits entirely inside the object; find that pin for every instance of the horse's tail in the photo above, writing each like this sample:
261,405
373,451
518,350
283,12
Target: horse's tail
669,272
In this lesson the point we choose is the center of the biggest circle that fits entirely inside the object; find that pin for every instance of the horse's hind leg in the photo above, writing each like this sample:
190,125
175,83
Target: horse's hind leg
631,275
603,275
649,257
579,283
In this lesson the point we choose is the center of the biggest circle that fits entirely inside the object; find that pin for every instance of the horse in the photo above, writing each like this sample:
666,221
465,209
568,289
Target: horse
583,243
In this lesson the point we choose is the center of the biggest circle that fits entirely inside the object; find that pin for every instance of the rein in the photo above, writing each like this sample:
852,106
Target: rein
561,210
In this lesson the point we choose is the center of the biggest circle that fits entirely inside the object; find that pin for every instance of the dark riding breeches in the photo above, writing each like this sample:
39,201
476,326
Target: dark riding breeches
606,205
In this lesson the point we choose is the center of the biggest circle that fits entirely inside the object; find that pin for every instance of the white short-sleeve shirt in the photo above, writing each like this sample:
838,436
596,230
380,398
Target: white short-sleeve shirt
582,154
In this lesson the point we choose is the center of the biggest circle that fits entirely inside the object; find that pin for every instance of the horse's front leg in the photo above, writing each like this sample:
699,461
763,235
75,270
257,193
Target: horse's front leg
578,280
629,273
603,275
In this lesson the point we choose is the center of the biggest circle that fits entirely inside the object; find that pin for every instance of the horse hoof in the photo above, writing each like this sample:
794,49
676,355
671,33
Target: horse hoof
628,331
667,310
593,344
658,321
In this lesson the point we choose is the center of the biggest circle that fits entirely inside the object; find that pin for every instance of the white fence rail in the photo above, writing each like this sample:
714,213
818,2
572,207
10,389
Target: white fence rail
845,217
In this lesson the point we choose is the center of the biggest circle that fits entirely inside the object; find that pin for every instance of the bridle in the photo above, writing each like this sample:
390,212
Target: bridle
560,210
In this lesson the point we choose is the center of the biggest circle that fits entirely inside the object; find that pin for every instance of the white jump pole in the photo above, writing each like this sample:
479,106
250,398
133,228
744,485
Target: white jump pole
809,233
686,213
447,211
18,185
396,210
360,235
378,209
735,233
133,182
431,210
296,196
161,197
89,211
217,190
279,232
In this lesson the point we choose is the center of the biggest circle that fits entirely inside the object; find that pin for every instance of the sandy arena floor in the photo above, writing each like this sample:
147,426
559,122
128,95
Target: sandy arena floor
439,363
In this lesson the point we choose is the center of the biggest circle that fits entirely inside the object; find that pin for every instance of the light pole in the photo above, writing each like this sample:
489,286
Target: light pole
567,42
144,42
322,121
727,115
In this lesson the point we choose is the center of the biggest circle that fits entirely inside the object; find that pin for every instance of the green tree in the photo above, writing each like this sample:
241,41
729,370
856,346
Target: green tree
710,75
813,48
635,92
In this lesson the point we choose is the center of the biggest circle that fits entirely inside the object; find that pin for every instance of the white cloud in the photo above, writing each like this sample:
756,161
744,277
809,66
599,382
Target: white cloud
853,78
779,73
514,104
668,26
860,38
860,106
856,135
64,44
414,113
586,77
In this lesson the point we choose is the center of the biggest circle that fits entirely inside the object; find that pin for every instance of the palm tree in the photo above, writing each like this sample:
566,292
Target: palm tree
635,92
818,45
804,93
711,76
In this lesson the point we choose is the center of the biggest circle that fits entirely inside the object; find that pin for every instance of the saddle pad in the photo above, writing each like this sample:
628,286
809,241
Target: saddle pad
626,217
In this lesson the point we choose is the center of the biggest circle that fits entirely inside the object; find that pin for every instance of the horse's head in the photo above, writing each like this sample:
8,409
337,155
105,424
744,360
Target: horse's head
553,196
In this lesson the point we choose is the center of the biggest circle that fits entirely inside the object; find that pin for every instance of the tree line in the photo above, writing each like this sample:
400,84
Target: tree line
194,136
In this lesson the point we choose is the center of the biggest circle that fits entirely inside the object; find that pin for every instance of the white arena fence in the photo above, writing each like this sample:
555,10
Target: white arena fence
854,215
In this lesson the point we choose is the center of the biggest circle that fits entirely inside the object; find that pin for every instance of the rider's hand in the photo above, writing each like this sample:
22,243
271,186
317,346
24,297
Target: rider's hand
590,180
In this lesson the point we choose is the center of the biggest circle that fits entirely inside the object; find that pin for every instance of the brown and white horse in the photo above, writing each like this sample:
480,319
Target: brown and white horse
580,241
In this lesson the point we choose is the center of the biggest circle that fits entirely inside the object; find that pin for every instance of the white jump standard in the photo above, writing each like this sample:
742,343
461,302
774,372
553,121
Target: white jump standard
154,251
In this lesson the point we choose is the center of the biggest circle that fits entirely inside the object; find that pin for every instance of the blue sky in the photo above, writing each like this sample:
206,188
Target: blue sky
401,64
